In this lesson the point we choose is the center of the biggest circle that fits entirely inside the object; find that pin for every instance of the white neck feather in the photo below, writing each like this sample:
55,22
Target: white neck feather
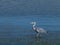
34,26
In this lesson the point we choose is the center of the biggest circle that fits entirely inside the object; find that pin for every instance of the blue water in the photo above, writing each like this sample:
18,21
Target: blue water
17,30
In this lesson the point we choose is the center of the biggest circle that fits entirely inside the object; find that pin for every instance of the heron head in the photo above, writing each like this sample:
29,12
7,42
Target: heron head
33,23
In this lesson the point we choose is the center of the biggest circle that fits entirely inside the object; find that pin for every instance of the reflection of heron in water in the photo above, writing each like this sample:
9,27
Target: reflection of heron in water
38,30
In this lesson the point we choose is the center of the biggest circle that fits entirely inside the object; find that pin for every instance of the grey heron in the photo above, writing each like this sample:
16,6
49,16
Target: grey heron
38,30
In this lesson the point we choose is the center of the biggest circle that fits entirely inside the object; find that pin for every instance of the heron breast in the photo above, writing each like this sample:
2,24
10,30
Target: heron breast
36,31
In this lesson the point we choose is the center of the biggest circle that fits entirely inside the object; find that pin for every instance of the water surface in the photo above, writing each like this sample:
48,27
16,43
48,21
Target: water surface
17,30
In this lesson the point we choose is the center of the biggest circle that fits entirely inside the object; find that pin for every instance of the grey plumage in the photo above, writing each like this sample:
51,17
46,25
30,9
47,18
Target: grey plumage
38,30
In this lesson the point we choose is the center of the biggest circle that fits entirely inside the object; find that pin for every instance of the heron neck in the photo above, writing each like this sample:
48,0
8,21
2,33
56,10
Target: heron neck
34,26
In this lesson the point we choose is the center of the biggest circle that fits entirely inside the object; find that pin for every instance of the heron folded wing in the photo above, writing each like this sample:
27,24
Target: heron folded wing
41,30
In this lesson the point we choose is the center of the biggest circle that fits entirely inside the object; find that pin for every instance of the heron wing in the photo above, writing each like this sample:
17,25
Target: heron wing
41,30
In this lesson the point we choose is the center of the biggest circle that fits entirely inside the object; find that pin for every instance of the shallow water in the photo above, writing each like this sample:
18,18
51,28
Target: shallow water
31,39
18,30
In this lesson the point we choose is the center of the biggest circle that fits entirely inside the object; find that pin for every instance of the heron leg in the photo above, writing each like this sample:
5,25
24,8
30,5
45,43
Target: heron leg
38,34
